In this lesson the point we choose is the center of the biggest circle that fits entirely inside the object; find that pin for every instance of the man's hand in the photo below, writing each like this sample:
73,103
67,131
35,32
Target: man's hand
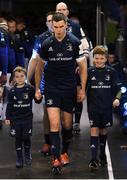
80,95
77,70
38,94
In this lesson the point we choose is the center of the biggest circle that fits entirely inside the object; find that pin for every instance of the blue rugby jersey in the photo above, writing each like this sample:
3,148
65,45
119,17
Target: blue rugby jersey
39,40
28,42
19,106
102,87
19,50
61,58
74,28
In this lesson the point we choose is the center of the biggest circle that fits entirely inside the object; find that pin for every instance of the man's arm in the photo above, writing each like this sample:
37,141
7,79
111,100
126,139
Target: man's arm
83,77
32,65
38,73
38,76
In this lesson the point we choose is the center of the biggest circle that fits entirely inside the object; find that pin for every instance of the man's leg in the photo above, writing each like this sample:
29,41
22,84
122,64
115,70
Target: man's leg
54,118
46,129
66,136
77,113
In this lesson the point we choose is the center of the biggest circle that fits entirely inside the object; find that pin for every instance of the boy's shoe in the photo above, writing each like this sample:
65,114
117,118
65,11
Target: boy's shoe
103,160
28,160
76,128
27,157
19,163
46,151
56,167
93,165
64,158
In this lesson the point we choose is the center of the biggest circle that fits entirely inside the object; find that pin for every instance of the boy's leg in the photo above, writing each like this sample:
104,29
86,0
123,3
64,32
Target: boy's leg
27,132
93,164
18,146
103,139
94,139
27,150
106,121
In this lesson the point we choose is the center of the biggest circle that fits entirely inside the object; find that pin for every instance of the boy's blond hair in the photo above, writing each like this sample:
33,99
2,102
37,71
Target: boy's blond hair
19,69
100,50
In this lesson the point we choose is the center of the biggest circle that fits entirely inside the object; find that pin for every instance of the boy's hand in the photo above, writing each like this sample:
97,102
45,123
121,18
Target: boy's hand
7,122
116,103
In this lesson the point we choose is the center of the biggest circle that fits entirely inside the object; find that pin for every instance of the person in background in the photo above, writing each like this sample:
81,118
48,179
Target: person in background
4,44
26,36
12,49
16,46
113,62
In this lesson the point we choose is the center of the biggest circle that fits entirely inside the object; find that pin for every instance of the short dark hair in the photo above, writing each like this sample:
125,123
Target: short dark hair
11,19
50,13
57,16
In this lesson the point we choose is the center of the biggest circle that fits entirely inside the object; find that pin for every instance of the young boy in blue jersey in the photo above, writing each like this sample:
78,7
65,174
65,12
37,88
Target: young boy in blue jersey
102,88
61,52
19,114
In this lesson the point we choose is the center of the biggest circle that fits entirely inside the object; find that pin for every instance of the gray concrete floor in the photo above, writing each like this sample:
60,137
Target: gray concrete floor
79,154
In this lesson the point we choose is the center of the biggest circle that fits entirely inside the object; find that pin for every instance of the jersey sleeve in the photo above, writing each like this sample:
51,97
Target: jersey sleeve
37,46
86,43
81,53
43,50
